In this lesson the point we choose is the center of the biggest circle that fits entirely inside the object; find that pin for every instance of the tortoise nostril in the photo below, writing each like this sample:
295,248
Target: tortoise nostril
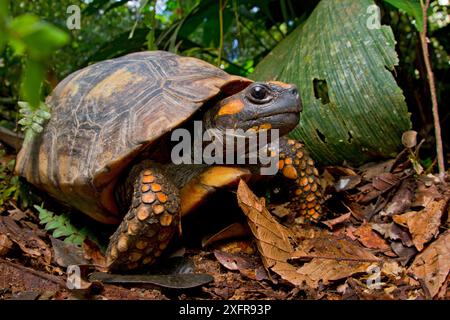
294,91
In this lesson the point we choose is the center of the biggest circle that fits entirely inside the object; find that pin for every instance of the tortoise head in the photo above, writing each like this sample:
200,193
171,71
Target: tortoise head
260,106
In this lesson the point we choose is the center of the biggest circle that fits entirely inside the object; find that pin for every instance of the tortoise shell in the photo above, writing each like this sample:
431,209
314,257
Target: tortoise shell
106,114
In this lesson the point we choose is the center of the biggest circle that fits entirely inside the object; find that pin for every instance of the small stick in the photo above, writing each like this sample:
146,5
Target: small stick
434,102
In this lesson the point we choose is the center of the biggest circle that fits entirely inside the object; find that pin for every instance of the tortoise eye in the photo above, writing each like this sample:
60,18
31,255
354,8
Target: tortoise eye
258,93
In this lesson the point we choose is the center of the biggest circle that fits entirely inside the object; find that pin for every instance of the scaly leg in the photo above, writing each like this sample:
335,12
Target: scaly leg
151,220
297,167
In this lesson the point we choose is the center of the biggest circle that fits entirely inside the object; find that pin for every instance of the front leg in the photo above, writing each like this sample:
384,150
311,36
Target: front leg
297,167
152,204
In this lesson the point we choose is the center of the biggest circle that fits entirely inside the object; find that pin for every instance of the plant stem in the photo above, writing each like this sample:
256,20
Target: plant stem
219,56
434,102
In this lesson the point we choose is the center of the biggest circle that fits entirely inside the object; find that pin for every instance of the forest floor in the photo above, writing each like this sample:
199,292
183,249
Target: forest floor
384,236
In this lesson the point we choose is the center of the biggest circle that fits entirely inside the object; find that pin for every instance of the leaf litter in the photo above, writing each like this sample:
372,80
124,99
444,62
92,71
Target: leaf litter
384,236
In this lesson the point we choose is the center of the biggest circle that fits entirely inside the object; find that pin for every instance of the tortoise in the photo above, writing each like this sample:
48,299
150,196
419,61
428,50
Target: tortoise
106,148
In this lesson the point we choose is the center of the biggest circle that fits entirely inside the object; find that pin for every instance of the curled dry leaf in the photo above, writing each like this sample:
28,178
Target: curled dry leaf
393,232
370,239
247,265
333,258
235,230
433,264
273,240
424,224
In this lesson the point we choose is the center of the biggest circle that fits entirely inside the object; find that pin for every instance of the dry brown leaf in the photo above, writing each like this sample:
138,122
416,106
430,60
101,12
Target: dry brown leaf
423,225
27,240
235,230
392,270
92,252
339,171
342,218
369,238
273,240
444,293
402,199
347,183
380,184
281,211
333,258
360,212
66,254
5,244
247,265
425,194
372,170
433,264
236,246
393,232
404,253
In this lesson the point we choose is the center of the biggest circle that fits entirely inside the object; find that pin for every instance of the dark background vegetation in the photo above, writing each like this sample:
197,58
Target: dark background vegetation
250,29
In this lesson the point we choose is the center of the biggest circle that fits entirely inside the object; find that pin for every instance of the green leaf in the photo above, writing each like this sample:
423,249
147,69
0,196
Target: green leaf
354,110
32,82
61,232
411,7
95,6
39,37
3,23
61,226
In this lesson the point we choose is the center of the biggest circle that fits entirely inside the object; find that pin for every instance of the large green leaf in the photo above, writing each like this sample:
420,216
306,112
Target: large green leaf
411,7
353,109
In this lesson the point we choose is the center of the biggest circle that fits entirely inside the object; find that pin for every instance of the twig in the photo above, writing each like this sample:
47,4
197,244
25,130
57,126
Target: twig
10,138
434,102
221,8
